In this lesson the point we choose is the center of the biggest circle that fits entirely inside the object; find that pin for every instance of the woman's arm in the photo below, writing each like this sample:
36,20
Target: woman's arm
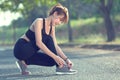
38,30
58,49
38,35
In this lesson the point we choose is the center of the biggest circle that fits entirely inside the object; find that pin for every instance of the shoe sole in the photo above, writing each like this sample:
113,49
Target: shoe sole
18,66
65,73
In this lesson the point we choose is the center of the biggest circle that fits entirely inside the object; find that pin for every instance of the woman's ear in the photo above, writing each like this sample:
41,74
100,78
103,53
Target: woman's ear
55,13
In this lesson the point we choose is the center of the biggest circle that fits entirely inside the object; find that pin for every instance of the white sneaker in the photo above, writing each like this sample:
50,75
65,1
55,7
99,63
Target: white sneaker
65,70
23,68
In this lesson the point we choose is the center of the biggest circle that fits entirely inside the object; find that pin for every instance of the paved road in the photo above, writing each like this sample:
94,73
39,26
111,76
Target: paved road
91,65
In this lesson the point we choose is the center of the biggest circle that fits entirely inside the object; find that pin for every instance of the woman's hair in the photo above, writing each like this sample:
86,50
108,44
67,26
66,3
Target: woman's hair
61,10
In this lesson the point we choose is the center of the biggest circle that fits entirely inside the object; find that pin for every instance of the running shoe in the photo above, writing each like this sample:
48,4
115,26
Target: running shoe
65,70
23,68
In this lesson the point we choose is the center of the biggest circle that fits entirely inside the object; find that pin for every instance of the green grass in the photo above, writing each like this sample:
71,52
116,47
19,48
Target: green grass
6,35
82,22
89,31
85,31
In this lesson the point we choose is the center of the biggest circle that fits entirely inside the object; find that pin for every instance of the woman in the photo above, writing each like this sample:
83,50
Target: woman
41,36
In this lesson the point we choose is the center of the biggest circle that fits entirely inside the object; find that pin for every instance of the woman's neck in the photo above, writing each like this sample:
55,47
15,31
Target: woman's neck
48,21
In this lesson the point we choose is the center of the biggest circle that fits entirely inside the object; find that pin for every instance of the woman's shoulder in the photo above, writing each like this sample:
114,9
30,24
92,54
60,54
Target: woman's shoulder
38,20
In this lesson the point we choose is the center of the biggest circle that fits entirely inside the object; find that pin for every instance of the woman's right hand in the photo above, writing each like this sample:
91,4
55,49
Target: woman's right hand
59,61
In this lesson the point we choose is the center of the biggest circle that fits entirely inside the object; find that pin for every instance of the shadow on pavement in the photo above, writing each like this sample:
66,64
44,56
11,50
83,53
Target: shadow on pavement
84,56
19,76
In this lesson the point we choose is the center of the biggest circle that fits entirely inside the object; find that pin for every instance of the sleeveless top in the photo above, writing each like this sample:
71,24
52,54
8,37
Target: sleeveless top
31,35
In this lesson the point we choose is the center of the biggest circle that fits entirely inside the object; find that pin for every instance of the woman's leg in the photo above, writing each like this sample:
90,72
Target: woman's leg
23,49
42,58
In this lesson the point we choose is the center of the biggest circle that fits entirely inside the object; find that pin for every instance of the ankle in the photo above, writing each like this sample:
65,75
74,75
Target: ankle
23,62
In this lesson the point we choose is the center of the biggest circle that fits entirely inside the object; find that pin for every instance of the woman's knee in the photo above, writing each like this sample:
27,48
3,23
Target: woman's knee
53,64
51,61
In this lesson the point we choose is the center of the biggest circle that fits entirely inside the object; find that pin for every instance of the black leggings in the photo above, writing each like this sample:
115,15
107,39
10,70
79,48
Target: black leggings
28,52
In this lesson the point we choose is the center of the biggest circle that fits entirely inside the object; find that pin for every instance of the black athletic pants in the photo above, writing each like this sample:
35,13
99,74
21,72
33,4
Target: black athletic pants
28,52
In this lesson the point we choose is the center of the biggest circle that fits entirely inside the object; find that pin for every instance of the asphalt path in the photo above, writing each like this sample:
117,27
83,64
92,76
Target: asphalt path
91,64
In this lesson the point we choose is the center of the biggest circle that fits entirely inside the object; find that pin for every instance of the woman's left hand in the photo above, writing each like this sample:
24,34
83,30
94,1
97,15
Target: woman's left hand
69,63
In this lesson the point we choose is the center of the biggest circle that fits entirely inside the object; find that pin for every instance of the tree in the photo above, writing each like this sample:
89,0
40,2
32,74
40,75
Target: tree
27,8
105,7
30,9
69,26
67,4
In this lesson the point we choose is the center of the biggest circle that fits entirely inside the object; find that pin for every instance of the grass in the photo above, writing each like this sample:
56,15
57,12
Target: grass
7,37
85,31
82,22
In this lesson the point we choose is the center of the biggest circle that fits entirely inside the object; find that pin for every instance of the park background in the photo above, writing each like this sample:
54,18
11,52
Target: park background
91,21
92,24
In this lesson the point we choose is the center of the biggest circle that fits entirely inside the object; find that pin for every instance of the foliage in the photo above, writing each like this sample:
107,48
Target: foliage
85,14
30,9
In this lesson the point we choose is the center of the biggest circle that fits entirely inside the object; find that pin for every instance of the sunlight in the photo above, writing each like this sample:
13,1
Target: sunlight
7,17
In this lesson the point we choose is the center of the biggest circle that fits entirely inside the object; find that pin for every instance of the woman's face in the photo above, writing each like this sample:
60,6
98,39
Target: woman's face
57,19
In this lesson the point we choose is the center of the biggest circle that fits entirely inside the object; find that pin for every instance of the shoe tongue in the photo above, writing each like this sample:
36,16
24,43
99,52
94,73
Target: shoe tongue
66,66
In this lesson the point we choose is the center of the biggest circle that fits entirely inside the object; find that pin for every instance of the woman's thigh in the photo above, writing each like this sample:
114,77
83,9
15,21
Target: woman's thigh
23,49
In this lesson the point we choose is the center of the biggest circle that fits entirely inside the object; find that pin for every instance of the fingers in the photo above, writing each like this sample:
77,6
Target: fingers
60,62
60,66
